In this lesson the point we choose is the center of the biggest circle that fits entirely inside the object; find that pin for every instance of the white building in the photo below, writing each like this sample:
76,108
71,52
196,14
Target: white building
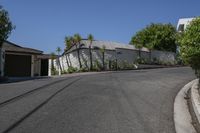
124,55
183,23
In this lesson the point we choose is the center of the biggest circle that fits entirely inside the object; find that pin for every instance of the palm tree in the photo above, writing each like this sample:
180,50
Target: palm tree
103,55
68,45
90,38
53,56
58,50
77,41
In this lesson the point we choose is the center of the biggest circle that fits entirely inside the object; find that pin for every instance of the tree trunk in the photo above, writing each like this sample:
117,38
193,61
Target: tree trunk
139,53
67,61
91,63
78,54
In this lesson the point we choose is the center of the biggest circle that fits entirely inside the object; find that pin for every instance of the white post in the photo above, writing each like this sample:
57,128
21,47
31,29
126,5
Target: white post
49,71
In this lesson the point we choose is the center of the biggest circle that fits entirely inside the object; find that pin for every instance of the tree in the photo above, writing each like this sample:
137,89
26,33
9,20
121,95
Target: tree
137,41
68,45
6,27
103,55
53,57
189,42
58,50
90,38
77,42
156,36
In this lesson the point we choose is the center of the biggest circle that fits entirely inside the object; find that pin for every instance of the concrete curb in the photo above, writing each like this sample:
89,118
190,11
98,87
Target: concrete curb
195,99
182,117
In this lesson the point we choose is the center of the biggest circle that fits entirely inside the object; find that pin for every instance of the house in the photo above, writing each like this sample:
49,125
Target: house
124,55
183,23
20,61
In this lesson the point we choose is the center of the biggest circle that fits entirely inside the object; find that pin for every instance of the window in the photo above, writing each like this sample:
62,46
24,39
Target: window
181,27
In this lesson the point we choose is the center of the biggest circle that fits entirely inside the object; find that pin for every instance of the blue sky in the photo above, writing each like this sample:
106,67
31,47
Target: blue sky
43,24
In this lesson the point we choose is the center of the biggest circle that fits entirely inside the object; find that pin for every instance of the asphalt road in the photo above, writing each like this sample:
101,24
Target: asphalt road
114,102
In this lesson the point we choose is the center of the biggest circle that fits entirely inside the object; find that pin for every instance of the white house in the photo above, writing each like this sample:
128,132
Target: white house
183,23
123,54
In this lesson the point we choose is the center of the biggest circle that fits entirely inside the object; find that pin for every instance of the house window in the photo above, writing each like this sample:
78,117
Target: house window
181,27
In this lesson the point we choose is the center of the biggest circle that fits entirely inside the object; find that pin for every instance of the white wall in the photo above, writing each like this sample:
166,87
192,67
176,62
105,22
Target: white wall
122,55
163,56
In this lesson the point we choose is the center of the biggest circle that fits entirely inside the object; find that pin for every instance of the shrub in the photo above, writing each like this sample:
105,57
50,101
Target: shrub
72,69
189,42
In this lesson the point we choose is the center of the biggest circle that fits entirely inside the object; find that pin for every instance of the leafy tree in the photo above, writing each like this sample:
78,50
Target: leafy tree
156,36
137,41
58,50
103,55
90,38
189,42
77,41
6,27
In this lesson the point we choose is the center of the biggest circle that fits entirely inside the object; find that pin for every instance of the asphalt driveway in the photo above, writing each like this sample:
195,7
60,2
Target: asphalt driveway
114,102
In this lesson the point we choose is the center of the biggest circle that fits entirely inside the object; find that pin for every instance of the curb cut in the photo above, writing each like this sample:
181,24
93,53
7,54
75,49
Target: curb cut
182,117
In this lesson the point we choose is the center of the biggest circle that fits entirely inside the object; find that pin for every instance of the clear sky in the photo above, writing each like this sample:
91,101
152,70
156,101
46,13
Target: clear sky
43,24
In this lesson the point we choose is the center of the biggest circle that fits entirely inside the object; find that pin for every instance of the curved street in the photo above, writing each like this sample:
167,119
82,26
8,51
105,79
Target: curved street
138,101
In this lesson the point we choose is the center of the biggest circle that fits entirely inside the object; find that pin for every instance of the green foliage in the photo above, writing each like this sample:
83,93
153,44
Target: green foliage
72,69
141,61
6,25
54,71
58,50
97,66
68,42
190,45
156,36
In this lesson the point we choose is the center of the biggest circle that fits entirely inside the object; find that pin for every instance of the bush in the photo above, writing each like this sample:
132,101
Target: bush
189,42
72,69
54,71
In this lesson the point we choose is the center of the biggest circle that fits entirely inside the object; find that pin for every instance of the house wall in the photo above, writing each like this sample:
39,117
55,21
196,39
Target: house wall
123,56
163,56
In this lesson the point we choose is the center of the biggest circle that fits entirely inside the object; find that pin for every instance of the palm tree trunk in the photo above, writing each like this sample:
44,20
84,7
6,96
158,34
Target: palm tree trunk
67,61
79,60
90,52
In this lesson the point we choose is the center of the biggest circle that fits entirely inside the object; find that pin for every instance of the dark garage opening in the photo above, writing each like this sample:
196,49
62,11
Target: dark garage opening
44,67
17,65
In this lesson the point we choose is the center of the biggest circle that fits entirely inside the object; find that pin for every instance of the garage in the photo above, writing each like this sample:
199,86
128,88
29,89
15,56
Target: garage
17,65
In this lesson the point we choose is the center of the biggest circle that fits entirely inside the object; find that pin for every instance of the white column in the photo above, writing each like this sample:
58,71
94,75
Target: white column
49,70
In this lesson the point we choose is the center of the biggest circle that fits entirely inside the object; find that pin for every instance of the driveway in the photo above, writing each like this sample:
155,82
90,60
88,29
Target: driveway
115,102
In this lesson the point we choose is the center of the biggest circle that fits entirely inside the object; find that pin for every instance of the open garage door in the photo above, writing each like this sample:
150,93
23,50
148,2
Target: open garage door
17,65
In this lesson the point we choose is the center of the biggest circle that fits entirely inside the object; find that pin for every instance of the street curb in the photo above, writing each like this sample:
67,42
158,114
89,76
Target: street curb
195,100
182,117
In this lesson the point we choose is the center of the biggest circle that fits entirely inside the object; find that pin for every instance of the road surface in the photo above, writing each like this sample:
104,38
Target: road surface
115,102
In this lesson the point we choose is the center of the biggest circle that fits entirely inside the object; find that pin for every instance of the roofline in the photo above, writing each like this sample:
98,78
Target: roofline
23,47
